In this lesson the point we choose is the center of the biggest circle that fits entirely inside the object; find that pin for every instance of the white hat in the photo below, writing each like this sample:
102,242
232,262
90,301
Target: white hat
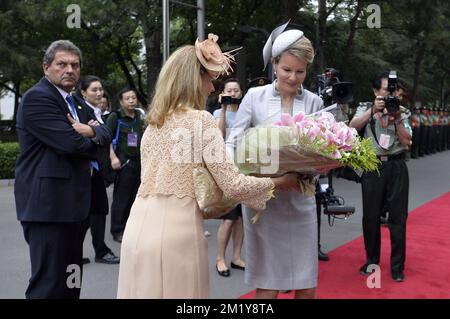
285,40
279,41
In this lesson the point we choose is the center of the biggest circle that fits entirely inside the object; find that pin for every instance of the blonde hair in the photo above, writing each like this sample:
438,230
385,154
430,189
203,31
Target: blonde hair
301,49
179,86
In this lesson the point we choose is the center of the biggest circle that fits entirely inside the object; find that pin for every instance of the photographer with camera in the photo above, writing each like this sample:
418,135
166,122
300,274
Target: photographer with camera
229,101
232,224
383,121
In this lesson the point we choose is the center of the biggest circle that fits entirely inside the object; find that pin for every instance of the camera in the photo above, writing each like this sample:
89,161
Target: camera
230,100
333,206
332,90
392,103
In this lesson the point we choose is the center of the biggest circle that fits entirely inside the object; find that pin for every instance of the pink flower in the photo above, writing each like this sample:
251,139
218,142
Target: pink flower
313,131
286,120
299,117
306,123
342,135
331,138
336,154
326,120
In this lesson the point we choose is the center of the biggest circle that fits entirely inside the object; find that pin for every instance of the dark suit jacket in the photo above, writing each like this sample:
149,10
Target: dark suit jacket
53,174
99,198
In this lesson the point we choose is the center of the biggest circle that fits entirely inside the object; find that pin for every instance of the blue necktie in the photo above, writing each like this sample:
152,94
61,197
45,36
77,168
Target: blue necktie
73,111
72,107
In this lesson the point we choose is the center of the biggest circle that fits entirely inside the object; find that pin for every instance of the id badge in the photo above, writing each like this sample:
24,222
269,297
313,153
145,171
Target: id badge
132,139
384,141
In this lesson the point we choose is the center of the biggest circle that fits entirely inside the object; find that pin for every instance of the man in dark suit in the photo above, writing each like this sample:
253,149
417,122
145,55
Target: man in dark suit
58,146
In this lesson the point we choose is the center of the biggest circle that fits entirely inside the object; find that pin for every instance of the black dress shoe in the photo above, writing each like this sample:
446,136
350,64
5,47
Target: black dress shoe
86,261
109,258
323,256
233,265
364,269
398,276
223,273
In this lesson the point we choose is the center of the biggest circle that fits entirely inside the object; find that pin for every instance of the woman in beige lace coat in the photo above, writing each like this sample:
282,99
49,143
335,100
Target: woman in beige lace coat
164,251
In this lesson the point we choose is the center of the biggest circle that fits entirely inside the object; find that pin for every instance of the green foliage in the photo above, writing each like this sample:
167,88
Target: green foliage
363,157
8,156
122,40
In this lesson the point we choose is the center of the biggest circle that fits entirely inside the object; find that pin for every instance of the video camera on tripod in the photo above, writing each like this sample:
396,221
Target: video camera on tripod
332,90
333,206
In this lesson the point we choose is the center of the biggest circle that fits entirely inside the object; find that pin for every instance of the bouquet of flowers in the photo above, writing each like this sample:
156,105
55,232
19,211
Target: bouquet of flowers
309,145
304,144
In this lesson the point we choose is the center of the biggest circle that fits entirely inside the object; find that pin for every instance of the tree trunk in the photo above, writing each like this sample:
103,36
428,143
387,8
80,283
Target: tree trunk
17,96
153,57
290,10
417,64
320,36
348,51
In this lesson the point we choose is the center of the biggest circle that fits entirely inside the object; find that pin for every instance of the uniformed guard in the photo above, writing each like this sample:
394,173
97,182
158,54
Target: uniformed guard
416,131
422,134
442,130
434,130
447,116
427,127
390,138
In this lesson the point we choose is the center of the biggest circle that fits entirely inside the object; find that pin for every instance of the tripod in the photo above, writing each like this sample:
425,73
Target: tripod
333,205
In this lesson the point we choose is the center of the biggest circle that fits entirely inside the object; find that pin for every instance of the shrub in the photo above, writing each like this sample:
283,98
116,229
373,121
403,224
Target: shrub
8,156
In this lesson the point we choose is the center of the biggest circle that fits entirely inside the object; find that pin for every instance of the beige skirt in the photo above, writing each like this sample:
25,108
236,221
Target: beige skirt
164,252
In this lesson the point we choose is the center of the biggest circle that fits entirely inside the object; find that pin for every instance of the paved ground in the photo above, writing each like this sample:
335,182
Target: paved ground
429,178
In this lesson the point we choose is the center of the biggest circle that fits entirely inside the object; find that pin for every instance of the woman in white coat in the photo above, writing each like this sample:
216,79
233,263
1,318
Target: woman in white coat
281,248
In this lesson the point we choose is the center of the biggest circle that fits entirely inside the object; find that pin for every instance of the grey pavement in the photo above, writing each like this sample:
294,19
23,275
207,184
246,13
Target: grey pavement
429,178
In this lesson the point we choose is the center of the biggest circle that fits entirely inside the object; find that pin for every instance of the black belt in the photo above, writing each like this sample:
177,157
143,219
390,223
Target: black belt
388,158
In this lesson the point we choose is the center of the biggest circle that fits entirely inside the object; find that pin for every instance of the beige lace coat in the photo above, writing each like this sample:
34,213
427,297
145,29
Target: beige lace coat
186,141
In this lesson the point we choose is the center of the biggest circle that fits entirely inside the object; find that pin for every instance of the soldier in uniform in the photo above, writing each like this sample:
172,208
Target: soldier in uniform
422,134
448,128
434,130
415,125
390,187
442,130
427,131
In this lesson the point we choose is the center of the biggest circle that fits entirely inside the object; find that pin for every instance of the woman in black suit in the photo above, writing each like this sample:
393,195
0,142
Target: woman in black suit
90,93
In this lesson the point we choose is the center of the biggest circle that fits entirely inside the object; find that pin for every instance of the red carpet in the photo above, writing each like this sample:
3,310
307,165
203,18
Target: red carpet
427,269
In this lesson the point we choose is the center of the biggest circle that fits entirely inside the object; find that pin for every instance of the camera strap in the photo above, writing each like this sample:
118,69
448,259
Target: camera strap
372,128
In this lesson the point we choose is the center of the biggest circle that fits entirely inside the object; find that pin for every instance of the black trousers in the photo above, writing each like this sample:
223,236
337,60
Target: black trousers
56,259
423,150
415,142
448,137
125,190
391,189
442,136
97,215
97,224
430,143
